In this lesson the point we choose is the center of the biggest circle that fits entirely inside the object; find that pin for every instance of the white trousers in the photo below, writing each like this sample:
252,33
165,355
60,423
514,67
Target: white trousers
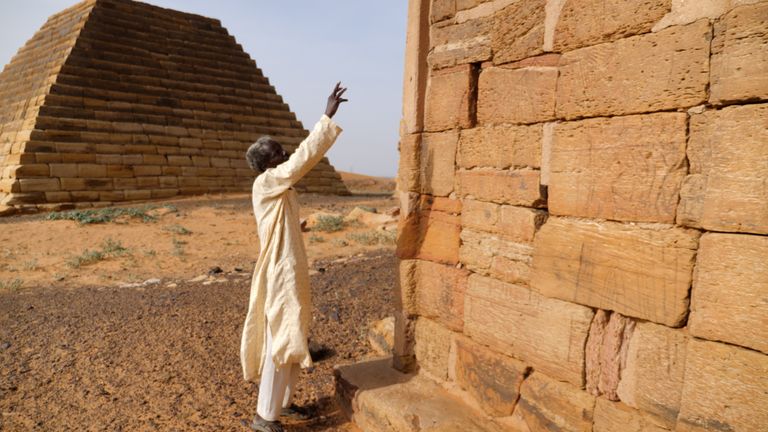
276,386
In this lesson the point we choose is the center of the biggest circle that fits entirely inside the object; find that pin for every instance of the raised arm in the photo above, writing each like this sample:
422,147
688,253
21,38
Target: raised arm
276,180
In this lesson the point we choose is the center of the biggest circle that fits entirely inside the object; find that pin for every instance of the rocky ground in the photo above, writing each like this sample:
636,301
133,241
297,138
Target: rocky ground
126,340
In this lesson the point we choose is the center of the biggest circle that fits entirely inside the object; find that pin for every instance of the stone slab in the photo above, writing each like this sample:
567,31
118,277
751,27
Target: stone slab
515,187
726,189
588,22
549,405
652,378
518,31
438,160
546,333
643,272
616,416
432,348
518,224
626,168
492,379
460,43
500,147
729,301
652,72
518,96
740,55
449,98
439,294
496,256
724,390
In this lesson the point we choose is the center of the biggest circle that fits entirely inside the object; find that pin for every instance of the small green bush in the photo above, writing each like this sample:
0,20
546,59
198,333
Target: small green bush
105,215
329,223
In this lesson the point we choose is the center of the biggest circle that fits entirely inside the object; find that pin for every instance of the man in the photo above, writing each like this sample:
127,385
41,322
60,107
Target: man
274,343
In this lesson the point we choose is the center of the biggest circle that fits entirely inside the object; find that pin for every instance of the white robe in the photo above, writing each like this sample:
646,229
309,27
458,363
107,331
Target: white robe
280,288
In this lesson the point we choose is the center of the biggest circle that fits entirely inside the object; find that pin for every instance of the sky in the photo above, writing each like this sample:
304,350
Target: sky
304,47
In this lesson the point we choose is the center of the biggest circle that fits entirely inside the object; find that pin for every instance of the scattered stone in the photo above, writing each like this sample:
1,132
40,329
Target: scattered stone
171,285
381,335
199,278
150,282
215,270
7,210
394,211
303,224
5,345
238,269
130,285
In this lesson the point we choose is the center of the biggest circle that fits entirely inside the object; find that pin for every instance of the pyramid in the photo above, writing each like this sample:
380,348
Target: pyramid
117,100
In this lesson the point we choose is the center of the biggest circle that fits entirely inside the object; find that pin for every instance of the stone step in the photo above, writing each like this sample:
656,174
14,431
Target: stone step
378,398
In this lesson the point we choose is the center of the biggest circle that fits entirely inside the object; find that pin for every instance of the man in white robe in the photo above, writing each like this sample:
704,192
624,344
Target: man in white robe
274,343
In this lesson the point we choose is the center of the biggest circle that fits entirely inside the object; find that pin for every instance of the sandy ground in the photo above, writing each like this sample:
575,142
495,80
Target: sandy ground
134,324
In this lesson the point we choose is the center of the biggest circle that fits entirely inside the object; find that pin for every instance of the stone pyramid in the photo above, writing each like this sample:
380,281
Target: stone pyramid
117,100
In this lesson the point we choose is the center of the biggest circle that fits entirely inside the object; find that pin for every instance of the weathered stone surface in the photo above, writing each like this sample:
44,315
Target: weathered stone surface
491,378
405,291
440,293
652,378
449,99
496,256
726,190
518,31
545,333
438,160
515,187
606,352
644,272
589,22
615,416
685,12
620,168
729,301
549,405
514,223
525,95
433,345
664,70
379,399
410,163
724,390
500,147
442,9
460,43
740,55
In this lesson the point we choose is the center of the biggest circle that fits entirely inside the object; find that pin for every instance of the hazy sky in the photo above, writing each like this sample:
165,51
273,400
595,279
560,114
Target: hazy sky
303,47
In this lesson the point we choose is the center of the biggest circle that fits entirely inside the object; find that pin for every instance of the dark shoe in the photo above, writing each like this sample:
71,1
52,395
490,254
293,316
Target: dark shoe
260,425
295,412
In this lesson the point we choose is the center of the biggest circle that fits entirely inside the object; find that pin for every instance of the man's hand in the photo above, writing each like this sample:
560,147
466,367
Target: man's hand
335,99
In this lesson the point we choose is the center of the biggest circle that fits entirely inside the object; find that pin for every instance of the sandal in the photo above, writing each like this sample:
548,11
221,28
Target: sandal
260,425
295,412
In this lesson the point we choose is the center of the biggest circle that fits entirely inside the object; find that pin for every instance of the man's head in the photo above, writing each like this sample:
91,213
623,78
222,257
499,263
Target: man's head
265,153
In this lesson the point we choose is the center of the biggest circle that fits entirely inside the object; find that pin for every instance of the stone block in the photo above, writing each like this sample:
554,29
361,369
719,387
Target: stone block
729,300
415,67
726,188
31,170
652,378
514,187
525,95
620,168
410,158
450,98
496,256
546,333
438,159
500,147
549,405
492,379
439,294
433,345
653,72
119,171
432,236
442,10
589,22
518,224
134,195
725,389
460,43
146,170
518,31
91,170
28,185
643,272
739,55
615,416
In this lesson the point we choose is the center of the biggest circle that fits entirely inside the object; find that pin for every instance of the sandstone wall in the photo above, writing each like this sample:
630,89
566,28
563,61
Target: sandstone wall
583,239
116,100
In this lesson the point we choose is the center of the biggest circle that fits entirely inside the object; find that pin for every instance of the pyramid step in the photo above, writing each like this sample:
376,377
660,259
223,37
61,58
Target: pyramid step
378,398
